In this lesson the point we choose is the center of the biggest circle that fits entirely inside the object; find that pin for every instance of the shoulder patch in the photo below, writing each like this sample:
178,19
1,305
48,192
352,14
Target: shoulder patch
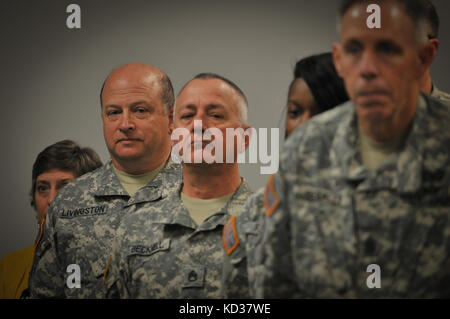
271,199
230,239
41,232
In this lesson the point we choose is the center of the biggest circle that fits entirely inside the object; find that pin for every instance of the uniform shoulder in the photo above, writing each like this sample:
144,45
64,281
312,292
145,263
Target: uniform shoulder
438,110
84,185
253,207
322,126
441,96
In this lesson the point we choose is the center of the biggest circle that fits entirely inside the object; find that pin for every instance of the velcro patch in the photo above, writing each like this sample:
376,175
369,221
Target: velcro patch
271,199
230,239
85,211
150,250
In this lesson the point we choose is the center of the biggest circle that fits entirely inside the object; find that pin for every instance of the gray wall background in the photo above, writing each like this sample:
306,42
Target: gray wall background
51,76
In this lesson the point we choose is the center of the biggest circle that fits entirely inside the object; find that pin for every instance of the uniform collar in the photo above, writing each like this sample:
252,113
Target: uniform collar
107,182
178,214
160,186
401,171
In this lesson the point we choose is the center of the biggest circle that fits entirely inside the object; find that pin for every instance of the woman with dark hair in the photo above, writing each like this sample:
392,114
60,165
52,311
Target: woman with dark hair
316,88
54,167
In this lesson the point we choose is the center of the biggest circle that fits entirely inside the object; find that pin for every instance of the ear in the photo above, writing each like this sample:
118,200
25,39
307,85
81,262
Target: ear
171,125
427,53
247,137
336,53
435,43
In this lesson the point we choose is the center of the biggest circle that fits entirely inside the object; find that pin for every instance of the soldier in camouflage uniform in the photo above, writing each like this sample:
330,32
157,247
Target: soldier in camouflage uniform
332,216
83,218
168,250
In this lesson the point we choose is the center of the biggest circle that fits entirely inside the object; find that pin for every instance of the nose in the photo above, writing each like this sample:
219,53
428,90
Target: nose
52,195
368,65
199,123
127,122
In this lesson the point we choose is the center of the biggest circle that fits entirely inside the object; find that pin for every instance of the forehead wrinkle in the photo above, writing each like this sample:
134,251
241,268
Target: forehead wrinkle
221,92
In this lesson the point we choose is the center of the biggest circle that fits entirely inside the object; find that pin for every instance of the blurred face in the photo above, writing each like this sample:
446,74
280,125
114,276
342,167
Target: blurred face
134,124
48,184
381,68
214,103
301,105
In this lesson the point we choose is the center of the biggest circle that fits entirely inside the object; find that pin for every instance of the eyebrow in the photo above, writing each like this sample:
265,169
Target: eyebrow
139,103
215,106
43,181
208,107
352,41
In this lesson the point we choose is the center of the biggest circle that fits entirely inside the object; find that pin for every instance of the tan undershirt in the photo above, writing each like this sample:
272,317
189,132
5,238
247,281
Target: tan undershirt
373,153
201,209
132,183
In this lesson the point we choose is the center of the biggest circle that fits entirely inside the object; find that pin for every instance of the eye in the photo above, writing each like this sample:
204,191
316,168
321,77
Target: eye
141,110
186,115
42,188
353,47
217,116
389,48
295,111
113,112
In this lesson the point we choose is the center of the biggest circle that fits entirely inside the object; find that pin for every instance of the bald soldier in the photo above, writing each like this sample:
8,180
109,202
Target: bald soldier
76,242
173,249
360,205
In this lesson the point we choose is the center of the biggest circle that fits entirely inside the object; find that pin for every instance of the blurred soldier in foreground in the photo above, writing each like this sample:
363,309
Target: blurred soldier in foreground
71,256
174,248
360,206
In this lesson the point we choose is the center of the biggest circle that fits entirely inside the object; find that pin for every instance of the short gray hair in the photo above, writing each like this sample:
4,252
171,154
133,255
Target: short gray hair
415,9
242,104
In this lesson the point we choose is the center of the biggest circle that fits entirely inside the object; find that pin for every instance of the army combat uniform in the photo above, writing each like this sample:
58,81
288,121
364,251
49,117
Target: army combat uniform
160,252
443,97
80,228
243,265
334,229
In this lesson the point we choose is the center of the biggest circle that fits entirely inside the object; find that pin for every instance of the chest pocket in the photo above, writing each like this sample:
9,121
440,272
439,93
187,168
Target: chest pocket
323,238
142,250
149,257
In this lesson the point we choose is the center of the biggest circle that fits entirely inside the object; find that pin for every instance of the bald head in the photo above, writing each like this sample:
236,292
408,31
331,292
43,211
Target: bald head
140,75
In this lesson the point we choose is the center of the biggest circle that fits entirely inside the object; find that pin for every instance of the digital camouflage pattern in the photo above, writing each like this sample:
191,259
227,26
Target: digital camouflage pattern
81,225
335,217
443,97
160,252
243,265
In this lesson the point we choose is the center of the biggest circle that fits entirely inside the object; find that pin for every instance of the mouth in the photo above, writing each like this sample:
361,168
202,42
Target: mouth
370,98
128,140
